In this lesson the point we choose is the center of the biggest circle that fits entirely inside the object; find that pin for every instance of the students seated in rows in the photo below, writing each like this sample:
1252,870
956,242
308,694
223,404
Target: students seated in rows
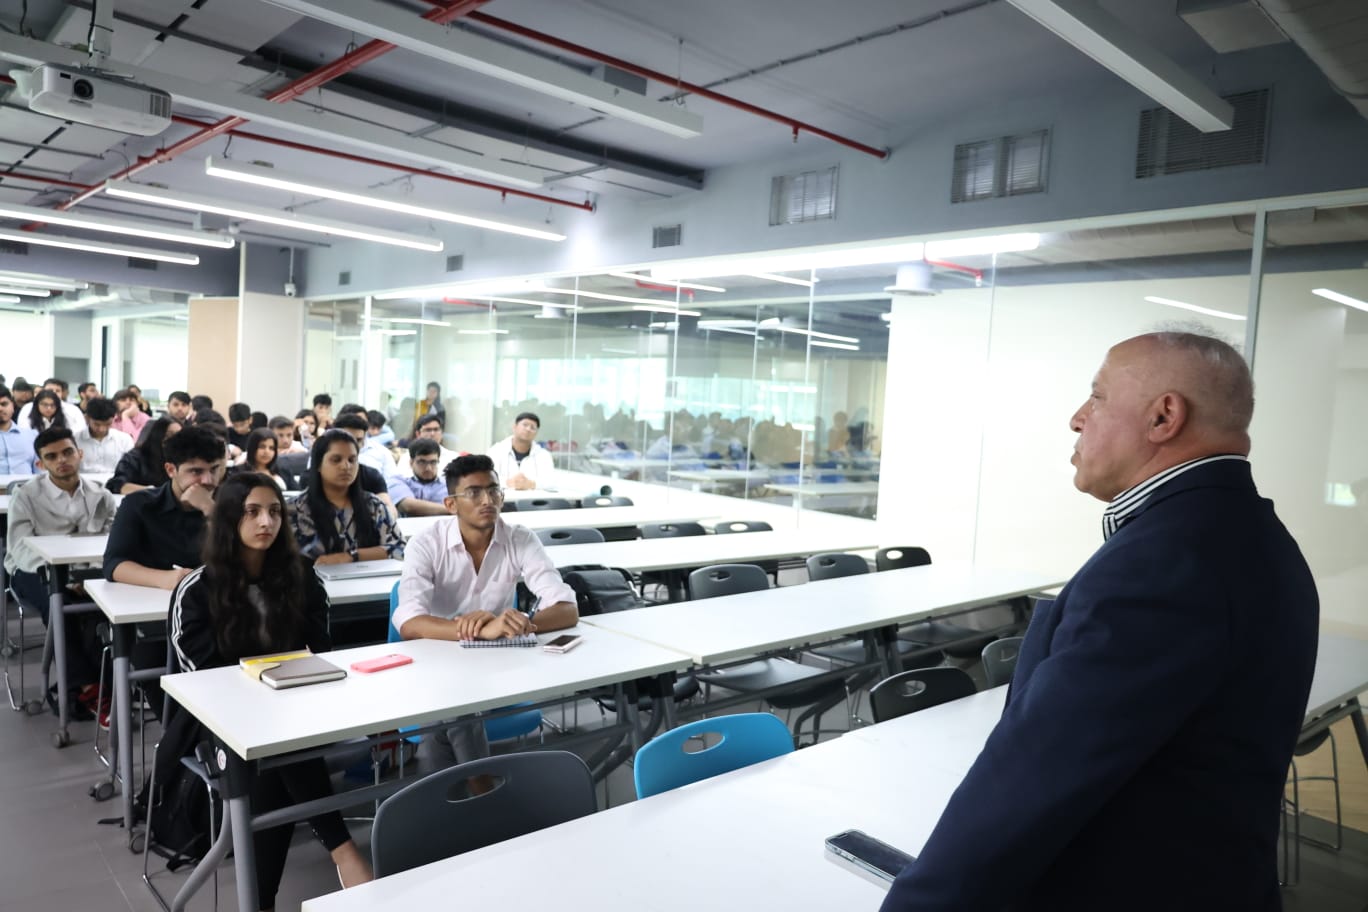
178,405
254,596
240,424
102,446
71,415
131,419
45,411
378,429
428,427
335,520
284,430
23,395
322,409
84,394
459,581
373,472
259,455
519,460
372,454
144,466
200,403
16,440
306,427
158,531
60,502
423,492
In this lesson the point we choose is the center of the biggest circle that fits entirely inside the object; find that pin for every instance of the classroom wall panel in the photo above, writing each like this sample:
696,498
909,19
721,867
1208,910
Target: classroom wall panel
213,350
271,353
26,348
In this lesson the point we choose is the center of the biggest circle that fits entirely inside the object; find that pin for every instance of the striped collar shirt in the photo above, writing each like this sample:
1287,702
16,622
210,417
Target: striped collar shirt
1125,505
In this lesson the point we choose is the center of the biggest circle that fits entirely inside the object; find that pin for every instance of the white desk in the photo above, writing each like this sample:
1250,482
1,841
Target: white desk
1341,675
818,490
743,821
578,518
444,681
712,478
702,550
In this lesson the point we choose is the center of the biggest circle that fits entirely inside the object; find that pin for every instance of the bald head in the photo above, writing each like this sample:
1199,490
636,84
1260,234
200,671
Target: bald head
1210,374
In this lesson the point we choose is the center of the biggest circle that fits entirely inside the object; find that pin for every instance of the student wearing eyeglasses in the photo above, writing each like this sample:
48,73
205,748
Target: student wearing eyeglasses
459,580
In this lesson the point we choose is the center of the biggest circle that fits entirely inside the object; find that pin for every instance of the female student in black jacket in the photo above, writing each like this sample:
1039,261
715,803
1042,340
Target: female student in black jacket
144,466
254,595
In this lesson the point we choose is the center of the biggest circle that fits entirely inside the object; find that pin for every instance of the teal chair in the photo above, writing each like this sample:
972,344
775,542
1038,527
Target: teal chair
746,738
500,728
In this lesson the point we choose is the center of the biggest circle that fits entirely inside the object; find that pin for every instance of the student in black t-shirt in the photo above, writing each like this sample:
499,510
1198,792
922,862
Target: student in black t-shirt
240,419
144,466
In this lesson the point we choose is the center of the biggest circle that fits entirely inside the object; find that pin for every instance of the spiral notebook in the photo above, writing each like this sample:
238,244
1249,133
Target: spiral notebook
525,639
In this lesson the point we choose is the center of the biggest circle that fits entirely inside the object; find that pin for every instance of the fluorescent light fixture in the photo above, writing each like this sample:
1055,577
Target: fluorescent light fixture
24,290
816,343
250,213
666,309
538,304
37,281
646,278
981,246
462,290
776,323
786,280
1340,298
417,321
71,243
1169,302
482,332
789,262
8,299
269,177
664,324
737,327
396,332
117,226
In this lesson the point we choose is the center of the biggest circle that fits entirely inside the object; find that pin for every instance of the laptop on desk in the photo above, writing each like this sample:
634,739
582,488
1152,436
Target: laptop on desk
358,570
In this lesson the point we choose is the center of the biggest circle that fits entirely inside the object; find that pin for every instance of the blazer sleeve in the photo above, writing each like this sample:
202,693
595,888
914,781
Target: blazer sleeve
1133,656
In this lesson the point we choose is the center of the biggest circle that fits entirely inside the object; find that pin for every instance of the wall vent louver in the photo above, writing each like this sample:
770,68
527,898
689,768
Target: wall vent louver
667,235
1170,145
1003,166
806,197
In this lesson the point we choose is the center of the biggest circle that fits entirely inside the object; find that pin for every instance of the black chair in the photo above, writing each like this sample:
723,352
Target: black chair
605,500
918,689
999,660
436,817
674,581
835,564
763,674
542,503
751,525
671,530
953,639
551,537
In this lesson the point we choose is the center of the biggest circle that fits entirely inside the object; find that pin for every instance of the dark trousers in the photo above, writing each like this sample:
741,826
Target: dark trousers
82,638
280,787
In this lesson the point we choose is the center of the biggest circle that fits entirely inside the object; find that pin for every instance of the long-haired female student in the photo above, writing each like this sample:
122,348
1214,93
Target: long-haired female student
335,520
252,596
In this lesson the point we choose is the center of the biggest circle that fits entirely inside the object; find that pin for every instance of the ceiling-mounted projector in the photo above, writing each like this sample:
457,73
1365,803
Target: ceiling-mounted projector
96,98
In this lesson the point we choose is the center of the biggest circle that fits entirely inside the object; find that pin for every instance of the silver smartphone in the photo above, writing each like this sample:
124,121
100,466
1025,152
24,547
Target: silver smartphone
563,643
869,854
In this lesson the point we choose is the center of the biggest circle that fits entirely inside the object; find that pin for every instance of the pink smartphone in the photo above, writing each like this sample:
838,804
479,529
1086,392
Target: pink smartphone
393,660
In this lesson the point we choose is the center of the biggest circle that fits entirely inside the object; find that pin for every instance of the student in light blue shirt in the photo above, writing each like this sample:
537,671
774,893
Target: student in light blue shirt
423,492
16,443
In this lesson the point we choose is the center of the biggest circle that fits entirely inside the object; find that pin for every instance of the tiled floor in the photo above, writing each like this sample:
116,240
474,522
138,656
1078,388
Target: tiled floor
56,857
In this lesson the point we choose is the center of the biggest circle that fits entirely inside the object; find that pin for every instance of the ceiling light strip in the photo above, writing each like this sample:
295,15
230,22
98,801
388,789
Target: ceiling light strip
1183,305
650,279
71,243
1338,298
78,219
666,309
13,290
37,281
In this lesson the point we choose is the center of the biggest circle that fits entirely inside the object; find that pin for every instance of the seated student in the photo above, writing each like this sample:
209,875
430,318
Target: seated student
158,531
459,580
16,442
45,411
178,405
23,395
73,417
259,420
335,520
322,409
240,419
144,465
306,427
429,427
200,403
143,404
423,493
60,502
518,458
284,430
131,419
252,596
102,446
377,430
259,455
84,393
372,453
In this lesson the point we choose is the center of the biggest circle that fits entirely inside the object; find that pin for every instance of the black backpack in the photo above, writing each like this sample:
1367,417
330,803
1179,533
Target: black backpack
601,590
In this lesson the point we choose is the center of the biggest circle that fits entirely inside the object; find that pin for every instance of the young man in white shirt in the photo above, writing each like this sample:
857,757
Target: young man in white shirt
428,427
519,461
101,445
459,582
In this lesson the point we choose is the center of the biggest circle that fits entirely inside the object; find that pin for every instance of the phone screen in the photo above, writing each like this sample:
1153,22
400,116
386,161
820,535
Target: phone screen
563,640
874,854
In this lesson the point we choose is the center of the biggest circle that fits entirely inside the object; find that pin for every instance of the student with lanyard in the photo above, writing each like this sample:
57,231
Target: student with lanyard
335,520
143,466
422,493
102,446
253,595
16,442
519,459
459,581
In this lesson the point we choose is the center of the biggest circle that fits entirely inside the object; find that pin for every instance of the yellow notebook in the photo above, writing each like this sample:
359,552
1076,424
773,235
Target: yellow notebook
255,665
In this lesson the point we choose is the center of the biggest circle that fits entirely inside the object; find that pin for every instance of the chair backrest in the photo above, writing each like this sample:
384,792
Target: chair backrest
544,503
671,530
999,660
551,537
743,525
897,558
607,500
436,818
726,579
835,564
601,590
15,485
920,688
746,738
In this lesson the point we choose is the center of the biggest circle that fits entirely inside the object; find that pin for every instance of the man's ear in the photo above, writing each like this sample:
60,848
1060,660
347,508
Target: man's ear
1168,415
170,468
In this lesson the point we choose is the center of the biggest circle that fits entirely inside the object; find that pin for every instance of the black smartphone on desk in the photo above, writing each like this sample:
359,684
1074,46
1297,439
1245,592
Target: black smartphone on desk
869,855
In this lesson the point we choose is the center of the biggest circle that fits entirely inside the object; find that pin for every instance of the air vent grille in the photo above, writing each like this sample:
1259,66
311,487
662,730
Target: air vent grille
667,235
18,248
159,105
344,278
1005,166
135,263
1170,145
806,197
455,262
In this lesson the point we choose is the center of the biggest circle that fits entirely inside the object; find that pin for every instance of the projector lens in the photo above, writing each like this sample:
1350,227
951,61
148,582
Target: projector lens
82,89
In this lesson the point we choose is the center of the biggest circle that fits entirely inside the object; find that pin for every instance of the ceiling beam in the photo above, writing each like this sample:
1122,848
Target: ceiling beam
496,59
1095,32
291,117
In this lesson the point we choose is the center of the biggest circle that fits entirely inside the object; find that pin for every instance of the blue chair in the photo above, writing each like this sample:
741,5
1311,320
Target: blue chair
500,728
746,738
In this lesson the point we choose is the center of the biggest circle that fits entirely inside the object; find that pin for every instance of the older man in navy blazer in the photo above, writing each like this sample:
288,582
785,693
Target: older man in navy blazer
1140,762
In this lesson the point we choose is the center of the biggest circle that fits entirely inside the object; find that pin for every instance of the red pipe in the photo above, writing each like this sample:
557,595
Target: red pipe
667,79
976,273
408,169
651,286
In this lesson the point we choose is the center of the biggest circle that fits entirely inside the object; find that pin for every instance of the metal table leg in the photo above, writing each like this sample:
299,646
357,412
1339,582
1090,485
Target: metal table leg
122,729
57,626
236,831
1360,729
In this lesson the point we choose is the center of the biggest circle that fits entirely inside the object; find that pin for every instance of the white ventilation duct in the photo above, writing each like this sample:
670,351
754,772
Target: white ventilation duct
914,279
1323,29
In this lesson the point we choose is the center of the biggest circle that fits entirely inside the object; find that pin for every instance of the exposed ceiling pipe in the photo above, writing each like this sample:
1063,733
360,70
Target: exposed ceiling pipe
797,126
651,286
1323,30
958,267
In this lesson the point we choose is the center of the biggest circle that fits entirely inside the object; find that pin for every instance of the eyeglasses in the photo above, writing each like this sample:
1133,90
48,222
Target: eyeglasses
494,493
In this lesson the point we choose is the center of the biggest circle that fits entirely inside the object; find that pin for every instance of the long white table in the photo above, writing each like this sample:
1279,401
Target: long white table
702,550
578,518
744,822
444,681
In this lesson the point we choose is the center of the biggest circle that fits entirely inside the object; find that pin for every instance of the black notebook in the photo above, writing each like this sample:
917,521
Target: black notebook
298,672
